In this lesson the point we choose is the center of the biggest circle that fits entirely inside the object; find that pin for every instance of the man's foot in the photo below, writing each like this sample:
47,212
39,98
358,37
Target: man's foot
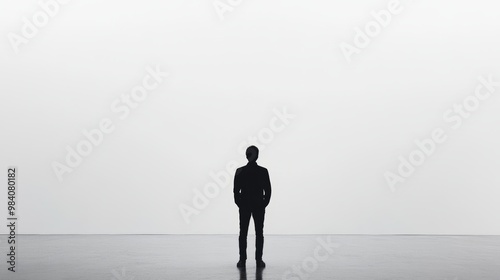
261,264
241,263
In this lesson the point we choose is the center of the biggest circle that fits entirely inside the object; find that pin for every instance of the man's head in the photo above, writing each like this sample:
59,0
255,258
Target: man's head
252,153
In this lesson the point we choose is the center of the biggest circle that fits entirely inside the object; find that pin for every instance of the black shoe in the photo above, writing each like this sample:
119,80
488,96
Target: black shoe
241,263
261,264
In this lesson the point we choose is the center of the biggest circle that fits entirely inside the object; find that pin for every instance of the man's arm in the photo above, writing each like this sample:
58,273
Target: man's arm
267,188
237,187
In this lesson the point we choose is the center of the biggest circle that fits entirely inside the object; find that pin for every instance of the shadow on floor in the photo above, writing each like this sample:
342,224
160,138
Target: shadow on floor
243,273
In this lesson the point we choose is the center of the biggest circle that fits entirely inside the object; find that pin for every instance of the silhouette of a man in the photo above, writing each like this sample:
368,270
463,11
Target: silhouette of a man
252,192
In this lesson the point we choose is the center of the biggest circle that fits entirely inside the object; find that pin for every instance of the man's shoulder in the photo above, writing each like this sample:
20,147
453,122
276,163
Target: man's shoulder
239,169
261,169
258,167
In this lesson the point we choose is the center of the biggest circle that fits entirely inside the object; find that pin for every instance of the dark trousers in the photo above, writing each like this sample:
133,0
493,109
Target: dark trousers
258,219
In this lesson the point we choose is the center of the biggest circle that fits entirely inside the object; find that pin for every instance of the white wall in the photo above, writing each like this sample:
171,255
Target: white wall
228,76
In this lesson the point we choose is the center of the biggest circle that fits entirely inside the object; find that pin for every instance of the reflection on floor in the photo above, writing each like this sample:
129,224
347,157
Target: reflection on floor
177,257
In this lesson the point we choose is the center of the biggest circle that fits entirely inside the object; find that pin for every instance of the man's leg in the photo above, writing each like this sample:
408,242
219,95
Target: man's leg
258,218
244,221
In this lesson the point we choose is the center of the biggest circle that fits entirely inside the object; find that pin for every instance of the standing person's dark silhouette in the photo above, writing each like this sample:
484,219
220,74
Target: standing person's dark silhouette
252,192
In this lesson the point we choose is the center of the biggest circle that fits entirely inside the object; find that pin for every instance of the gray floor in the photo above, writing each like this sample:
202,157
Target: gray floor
147,257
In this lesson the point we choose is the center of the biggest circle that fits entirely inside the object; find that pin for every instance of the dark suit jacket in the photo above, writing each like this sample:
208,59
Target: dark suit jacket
252,187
